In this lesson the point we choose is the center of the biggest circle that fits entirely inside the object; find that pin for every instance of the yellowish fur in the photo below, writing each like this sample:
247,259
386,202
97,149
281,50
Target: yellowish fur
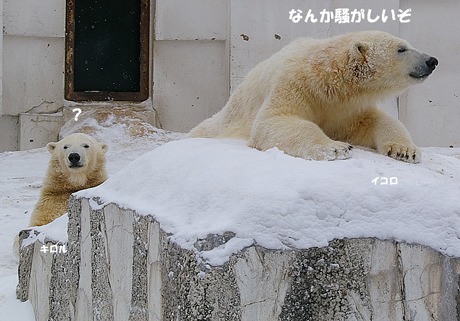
61,181
314,98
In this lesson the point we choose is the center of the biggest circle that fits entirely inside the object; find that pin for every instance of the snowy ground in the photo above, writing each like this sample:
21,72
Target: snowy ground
21,177
196,187
265,197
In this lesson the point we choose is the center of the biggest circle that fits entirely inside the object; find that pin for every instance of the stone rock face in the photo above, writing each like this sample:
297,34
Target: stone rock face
122,266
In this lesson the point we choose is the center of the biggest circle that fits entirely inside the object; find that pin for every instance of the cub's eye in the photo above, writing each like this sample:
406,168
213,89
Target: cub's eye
65,147
402,49
86,146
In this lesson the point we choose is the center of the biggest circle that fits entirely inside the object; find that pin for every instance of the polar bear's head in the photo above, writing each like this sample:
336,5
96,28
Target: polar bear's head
379,61
77,157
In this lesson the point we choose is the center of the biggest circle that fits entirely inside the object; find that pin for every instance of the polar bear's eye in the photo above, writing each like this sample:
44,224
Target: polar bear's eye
86,146
65,146
402,49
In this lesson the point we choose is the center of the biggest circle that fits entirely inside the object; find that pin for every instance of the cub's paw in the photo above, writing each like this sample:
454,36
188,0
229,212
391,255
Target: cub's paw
404,152
329,151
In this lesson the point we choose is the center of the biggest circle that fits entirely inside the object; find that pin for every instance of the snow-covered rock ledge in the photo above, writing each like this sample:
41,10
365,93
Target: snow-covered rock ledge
122,266
231,233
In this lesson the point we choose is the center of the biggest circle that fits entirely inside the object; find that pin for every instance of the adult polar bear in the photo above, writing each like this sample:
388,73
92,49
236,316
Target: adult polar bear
314,98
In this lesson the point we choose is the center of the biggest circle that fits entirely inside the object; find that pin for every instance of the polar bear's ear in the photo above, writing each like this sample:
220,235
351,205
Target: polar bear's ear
51,147
359,50
104,147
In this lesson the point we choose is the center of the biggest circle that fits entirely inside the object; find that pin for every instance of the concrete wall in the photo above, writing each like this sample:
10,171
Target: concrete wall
431,111
201,50
190,61
33,65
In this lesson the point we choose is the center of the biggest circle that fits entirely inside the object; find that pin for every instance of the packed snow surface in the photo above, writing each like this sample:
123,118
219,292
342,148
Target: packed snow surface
21,178
56,231
196,187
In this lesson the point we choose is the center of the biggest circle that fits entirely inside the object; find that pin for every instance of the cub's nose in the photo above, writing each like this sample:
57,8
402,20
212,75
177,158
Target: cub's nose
74,158
432,63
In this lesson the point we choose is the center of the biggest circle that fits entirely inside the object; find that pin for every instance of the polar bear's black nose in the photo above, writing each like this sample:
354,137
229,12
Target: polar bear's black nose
74,158
432,63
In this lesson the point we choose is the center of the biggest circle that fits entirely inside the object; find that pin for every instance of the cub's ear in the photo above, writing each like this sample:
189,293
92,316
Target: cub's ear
51,147
104,147
359,50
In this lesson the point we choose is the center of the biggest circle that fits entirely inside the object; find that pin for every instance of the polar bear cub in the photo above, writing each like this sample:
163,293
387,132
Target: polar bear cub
316,98
77,162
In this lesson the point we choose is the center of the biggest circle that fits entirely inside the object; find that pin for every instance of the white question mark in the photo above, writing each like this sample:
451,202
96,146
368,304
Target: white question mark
78,110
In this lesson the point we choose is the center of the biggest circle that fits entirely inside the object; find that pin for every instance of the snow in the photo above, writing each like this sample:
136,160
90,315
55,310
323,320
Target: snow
196,187
21,178
56,231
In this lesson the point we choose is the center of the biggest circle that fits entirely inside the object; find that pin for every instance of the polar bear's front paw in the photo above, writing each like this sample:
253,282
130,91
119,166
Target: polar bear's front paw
403,152
330,151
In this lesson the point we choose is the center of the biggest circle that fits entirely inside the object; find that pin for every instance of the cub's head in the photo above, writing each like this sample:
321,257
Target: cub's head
381,62
77,157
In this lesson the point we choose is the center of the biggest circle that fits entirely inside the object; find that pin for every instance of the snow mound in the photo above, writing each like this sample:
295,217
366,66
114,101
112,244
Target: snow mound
119,128
56,230
196,187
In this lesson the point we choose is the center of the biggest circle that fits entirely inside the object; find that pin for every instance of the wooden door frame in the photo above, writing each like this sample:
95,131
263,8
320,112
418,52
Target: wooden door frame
141,95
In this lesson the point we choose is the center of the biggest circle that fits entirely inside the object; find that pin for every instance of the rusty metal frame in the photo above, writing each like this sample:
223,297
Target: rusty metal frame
141,95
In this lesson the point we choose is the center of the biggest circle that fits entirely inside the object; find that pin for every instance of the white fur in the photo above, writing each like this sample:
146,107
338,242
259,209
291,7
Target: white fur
314,98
